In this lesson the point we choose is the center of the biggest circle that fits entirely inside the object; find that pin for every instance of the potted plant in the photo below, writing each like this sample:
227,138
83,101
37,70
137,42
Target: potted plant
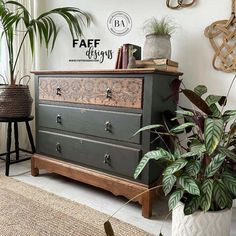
199,174
15,99
157,43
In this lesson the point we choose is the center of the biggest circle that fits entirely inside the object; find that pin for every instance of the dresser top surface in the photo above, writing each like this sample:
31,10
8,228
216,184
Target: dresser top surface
117,71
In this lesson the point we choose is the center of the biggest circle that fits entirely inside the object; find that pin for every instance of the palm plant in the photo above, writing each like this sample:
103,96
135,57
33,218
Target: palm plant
44,27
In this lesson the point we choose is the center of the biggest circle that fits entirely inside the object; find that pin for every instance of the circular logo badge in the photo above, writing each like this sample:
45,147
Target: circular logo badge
119,23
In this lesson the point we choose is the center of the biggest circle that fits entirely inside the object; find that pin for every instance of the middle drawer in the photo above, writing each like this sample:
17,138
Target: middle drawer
106,124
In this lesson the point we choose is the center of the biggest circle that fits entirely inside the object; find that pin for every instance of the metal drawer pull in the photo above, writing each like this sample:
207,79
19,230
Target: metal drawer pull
58,120
109,93
108,126
107,159
58,147
58,91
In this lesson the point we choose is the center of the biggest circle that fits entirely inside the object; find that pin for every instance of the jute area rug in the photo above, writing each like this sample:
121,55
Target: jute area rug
29,211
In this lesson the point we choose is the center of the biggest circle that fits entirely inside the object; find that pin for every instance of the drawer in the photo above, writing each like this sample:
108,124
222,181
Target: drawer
113,125
118,92
115,159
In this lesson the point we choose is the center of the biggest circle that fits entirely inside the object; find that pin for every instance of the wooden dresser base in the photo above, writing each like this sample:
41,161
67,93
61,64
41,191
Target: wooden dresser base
116,185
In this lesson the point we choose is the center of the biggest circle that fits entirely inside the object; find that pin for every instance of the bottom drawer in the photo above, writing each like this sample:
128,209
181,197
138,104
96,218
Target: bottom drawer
115,159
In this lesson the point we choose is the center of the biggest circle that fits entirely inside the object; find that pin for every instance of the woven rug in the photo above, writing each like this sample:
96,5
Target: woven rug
29,211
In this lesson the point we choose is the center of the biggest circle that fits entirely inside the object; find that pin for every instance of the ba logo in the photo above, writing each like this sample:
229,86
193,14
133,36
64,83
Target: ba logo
119,23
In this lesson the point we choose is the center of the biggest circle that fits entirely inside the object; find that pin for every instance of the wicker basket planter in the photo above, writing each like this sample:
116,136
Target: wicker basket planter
15,101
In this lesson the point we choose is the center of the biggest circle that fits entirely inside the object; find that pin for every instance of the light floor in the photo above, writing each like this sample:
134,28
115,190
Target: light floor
98,199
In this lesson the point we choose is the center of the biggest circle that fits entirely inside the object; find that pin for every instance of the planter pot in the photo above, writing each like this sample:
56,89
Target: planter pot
201,224
15,101
157,46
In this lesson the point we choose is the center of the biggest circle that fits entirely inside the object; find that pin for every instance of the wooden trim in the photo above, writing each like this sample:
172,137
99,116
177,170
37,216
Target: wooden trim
116,185
118,71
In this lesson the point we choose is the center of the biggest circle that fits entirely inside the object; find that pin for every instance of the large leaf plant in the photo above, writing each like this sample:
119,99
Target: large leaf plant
200,169
14,15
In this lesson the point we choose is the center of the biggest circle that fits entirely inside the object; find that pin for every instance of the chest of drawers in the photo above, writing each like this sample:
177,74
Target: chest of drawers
85,121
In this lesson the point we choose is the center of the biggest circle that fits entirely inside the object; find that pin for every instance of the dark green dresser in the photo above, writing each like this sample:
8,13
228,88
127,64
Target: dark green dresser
85,121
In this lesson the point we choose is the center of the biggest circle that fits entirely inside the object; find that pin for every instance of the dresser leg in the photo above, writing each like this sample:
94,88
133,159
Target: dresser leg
34,169
147,199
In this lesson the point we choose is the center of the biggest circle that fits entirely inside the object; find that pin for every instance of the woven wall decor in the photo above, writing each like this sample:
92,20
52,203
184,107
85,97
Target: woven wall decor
222,36
177,4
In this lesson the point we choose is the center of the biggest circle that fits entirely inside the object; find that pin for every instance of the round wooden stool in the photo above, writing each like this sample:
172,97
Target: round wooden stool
17,150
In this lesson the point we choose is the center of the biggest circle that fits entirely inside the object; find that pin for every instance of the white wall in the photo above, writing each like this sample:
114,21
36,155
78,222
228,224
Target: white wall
190,47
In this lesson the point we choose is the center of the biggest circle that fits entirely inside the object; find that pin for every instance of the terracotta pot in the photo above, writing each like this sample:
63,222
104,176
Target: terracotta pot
15,101
215,223
157,46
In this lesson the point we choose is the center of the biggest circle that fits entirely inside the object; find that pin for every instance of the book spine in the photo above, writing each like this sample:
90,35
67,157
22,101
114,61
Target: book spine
125,56
117,58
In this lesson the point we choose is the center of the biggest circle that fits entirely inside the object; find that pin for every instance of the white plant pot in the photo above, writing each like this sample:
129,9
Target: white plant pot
157,46
201,224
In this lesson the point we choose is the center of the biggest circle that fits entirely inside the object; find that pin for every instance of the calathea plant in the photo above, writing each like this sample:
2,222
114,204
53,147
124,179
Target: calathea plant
199,170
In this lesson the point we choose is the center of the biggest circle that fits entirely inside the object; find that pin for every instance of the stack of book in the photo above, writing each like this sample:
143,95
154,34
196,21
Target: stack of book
160,64
124,53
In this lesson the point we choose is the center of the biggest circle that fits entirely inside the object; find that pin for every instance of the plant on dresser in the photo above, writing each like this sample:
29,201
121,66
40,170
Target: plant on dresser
19,25
200,176
85,122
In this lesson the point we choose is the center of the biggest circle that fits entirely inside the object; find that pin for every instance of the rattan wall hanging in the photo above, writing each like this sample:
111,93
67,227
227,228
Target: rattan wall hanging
179,3
222,36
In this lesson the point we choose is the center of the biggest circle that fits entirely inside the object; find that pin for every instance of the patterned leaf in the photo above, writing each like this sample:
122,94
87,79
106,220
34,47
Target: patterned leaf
213,133
168,183
229,179
195,150
175,166
221,195
200,90
228,153
152,155
206,195
182,127
189,185
216,112
214,165
193,167
175,198
191,206
212,99
148,127
186,113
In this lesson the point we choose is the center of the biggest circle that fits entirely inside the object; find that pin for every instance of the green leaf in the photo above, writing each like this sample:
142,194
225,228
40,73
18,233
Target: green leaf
175,197
182,127
213,129
212,99
193,167
152,155
185,113
197,101
148,127
200,90
227,153
206,194
196,149
221,195
175,166
192,205
216,112
214,165
168,183
229,179
189,184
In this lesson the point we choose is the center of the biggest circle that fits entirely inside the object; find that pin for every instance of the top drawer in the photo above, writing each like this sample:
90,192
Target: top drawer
118,92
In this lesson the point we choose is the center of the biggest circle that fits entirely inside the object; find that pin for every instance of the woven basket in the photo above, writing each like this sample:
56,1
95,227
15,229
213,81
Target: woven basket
15,101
